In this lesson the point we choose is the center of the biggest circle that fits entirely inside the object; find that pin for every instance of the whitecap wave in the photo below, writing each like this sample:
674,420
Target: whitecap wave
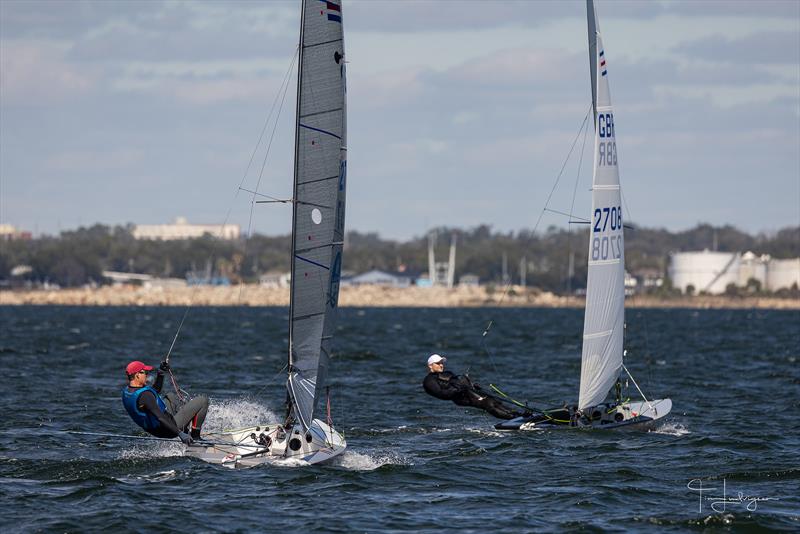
153,449
485,432
357,461
160,476
288,462
671,429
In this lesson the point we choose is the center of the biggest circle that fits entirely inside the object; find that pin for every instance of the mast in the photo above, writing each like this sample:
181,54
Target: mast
601,354
591,25
293,242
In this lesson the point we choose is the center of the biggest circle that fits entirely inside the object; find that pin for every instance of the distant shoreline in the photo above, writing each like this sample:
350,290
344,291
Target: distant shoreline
365,296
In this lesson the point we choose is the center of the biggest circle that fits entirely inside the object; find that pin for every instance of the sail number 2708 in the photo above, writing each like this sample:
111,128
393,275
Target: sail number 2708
607,247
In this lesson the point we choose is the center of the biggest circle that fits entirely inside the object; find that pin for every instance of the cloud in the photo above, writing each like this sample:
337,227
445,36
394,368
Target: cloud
516,67
154,30
755,49
99,160
60,20
35,72
777,9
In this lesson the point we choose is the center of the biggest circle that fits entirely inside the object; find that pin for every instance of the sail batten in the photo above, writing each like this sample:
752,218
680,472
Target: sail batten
601,355
318,210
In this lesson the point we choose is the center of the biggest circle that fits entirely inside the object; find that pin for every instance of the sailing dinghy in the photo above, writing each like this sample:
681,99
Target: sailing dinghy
601,357
320,169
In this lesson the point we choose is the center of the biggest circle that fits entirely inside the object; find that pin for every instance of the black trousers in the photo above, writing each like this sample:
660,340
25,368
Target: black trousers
487,403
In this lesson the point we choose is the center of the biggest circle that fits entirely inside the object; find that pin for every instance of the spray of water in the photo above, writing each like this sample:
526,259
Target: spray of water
672,429
152,449
368,460
237,413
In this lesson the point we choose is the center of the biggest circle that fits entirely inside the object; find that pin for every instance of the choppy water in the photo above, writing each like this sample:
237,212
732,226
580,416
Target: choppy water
414,463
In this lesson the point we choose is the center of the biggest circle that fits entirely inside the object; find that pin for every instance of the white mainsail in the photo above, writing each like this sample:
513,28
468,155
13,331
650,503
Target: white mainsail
601,359
319,202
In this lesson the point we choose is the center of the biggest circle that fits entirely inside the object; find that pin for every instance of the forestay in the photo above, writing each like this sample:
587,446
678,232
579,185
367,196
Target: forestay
601,358
319,203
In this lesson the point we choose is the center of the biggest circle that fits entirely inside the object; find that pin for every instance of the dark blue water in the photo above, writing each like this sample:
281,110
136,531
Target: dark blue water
414,462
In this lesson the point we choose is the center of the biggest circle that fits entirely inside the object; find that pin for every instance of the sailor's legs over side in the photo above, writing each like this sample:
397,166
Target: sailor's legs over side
194,411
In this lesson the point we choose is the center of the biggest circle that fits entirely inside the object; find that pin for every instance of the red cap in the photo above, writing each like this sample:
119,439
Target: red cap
136,366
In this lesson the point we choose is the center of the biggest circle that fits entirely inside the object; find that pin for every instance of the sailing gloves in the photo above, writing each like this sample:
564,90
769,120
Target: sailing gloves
164,366
185,438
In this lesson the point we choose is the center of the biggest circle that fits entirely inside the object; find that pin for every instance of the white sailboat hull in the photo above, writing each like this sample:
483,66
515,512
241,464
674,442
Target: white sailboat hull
637,415
270,444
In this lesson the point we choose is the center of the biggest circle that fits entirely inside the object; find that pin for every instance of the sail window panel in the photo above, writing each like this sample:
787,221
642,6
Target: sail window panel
321,24
317,202
311,276
320,154
323,80
303,392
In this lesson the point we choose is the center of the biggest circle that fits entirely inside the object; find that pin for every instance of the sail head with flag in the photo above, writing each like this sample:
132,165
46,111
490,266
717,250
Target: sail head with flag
319,203
601,358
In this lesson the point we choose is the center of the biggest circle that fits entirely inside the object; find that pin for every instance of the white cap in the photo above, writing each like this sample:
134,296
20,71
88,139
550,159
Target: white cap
435,358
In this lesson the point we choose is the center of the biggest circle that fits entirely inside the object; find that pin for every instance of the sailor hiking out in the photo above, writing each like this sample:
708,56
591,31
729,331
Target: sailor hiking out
165,416
462,391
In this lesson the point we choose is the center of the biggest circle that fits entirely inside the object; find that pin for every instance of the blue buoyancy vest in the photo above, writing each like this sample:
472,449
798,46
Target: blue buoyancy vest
145,420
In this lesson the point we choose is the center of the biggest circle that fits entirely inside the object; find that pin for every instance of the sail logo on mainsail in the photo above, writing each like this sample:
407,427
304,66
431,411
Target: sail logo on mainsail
339,226
330,6
603,63
333,290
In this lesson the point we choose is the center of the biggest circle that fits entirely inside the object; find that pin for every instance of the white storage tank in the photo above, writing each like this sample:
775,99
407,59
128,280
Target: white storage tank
783,274
705,271
752,267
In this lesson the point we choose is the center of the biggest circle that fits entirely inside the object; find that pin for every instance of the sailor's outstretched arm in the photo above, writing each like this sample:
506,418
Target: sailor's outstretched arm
158,383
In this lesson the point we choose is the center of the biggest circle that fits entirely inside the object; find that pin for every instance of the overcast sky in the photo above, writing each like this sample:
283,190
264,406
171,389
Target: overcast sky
460,112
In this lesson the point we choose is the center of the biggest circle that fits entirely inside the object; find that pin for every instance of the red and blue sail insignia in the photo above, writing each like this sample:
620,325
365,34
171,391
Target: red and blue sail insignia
603,62
334,11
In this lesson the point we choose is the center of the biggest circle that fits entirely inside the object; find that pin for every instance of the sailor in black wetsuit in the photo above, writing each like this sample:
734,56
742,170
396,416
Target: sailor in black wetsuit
163,417
461,390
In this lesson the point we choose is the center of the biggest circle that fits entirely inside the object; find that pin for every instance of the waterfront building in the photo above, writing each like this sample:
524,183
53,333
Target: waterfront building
181,229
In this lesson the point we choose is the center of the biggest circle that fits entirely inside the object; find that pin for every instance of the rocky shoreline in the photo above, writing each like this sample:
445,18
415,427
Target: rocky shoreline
363,296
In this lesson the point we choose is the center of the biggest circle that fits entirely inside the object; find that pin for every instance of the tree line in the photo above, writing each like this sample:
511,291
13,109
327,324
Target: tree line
78,257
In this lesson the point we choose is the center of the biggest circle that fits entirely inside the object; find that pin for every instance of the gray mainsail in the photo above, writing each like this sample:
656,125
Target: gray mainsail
601,358
319,202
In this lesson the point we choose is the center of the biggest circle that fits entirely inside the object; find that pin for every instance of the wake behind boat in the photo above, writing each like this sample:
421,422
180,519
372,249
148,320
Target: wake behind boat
603,329
317,238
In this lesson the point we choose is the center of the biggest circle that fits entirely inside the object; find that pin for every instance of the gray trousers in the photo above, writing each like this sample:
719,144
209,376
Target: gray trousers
185,412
